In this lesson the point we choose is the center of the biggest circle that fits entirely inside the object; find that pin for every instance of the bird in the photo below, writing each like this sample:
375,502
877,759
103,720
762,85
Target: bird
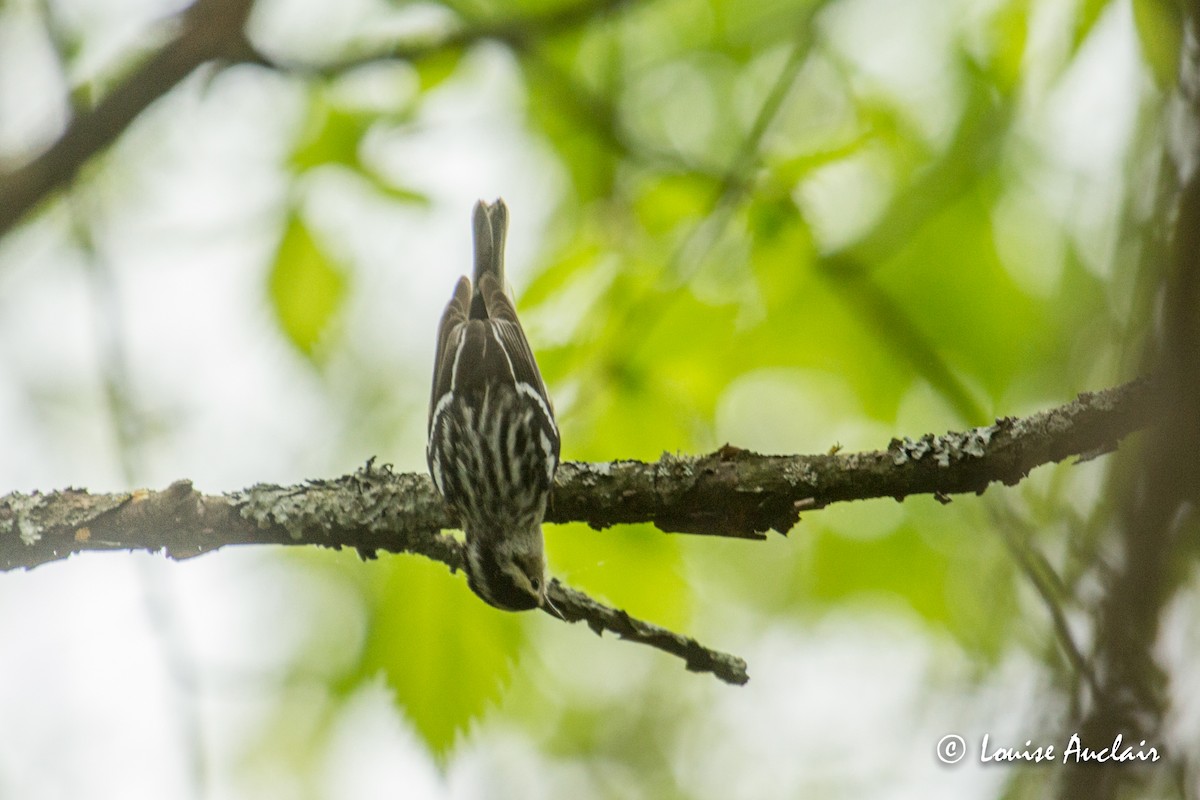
493,444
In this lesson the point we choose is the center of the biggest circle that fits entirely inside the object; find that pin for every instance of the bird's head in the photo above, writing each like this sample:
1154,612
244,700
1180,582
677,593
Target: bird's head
508,572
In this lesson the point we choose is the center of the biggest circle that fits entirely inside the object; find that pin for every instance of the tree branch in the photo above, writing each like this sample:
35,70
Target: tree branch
734,492
731,492
212,30
370,510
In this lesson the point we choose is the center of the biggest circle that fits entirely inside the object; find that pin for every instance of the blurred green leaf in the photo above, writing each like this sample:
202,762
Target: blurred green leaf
444,652
579,123
1160,30
633,567
331,136
1010,31
306,287
1086,17
667,201
399,194
964,585
982,322
578,259
438,67
900,564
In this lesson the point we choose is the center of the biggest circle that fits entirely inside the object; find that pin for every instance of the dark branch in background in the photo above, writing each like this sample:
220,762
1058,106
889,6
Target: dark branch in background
1018,534
213,30
209,29
731,493
1158,492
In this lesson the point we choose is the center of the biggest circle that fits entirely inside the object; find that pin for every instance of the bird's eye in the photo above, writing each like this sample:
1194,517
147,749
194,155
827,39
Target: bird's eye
536,583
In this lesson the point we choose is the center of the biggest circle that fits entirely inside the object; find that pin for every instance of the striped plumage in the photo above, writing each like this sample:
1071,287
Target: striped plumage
493,443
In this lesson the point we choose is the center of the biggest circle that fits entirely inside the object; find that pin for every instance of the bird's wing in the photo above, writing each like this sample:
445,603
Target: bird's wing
450,332
502,316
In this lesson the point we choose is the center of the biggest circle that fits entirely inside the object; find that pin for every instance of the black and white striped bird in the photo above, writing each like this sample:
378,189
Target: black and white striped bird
493,442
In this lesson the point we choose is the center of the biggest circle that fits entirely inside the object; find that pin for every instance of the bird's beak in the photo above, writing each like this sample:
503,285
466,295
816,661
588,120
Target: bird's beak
547,603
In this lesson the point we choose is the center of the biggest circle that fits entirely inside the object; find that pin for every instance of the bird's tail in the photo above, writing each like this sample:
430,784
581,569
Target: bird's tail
491,227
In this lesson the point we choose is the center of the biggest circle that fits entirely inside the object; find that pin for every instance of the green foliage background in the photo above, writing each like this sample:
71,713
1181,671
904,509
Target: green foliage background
765,238
767,229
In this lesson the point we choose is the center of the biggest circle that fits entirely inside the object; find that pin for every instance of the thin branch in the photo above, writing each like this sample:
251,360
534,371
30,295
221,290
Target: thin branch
575,606
370,510
1049,586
